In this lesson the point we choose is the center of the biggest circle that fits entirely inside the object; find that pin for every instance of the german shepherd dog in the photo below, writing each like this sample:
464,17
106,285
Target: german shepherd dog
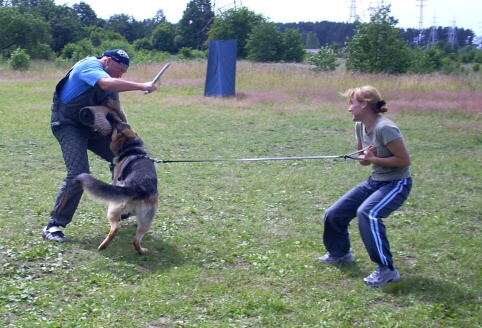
133,191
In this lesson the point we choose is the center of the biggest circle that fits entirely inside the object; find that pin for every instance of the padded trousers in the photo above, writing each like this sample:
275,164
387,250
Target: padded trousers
75,142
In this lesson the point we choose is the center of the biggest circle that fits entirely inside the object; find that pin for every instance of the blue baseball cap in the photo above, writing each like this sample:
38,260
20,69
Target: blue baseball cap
118,55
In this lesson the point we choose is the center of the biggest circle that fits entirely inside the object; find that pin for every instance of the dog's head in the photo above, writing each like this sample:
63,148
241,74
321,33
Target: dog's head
121,134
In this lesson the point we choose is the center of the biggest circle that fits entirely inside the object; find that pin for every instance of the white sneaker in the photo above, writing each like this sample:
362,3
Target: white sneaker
54,233
382,276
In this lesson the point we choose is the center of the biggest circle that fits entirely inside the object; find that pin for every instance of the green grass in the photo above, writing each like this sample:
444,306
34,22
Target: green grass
236,244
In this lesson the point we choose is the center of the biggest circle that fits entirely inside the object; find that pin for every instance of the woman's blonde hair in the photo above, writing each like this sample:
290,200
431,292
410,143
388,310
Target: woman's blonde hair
367,94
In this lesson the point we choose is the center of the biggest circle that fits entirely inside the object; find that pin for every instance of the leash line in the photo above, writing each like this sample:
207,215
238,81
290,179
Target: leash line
259,159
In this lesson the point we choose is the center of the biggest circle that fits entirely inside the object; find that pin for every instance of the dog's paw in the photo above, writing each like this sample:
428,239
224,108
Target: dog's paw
141,250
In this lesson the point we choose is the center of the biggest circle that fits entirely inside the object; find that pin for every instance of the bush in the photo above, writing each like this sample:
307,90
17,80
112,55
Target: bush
114,44
42,51
378,47
293,50
19,60
450,66
186,53
265,43
476,67
421,62
77,51
142,44
324,60
144,56
478,57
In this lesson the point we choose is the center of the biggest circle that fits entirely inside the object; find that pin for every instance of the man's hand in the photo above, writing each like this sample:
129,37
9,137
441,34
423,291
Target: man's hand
150,87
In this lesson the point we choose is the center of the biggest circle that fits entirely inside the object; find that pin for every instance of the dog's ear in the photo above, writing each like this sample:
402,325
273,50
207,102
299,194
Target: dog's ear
114,123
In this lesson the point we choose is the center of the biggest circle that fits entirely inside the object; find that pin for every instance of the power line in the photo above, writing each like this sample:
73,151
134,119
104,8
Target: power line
433,32
353,17
421,33
453,34
223,5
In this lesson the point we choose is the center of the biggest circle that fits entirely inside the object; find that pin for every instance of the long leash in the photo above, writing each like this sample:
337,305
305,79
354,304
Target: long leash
259,159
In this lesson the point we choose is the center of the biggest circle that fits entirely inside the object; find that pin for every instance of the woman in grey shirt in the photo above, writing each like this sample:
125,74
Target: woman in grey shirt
376,198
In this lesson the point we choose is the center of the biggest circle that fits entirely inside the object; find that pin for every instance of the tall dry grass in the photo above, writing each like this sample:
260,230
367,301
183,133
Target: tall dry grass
288,86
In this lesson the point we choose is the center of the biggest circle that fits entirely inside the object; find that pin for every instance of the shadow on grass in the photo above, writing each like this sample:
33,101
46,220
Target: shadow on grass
424,289
351,270
160,257
431,290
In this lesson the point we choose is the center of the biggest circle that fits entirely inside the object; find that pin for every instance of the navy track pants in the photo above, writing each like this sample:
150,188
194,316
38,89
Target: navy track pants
371,201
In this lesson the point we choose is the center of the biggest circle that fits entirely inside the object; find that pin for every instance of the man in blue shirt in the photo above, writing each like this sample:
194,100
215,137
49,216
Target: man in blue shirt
93,81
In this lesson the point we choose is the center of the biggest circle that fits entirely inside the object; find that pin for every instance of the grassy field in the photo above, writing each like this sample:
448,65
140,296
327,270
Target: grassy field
236,244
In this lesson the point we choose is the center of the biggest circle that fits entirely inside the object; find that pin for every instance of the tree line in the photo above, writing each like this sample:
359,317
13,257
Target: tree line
40,29
323,33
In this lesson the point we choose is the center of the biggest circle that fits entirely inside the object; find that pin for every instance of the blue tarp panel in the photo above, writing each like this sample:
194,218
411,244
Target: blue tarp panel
221,71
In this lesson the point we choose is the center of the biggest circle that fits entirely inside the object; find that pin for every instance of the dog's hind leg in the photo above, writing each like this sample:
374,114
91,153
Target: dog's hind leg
144,222
137,241
113,218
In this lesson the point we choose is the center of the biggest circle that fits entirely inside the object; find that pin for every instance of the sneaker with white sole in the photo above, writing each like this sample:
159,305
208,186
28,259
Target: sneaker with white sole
382,276
54,233
328,258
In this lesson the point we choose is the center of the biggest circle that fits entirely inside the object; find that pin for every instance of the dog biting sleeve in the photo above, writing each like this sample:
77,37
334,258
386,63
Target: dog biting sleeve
117,107
95,117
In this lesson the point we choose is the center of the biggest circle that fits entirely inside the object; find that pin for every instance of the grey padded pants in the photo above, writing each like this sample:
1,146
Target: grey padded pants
74,142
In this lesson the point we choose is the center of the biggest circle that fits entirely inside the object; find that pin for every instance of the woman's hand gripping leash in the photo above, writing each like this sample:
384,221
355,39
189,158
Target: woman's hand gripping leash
355,154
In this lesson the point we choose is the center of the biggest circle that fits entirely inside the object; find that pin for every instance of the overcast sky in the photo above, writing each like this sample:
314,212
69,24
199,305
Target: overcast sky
461,13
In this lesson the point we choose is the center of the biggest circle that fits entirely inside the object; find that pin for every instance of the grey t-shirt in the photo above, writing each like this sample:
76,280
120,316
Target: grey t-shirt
384,131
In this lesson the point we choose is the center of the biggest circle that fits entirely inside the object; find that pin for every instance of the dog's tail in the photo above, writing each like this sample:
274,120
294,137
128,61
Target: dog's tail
102,191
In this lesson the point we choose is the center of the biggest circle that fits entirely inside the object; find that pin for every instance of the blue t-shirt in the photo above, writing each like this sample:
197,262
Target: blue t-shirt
84,75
